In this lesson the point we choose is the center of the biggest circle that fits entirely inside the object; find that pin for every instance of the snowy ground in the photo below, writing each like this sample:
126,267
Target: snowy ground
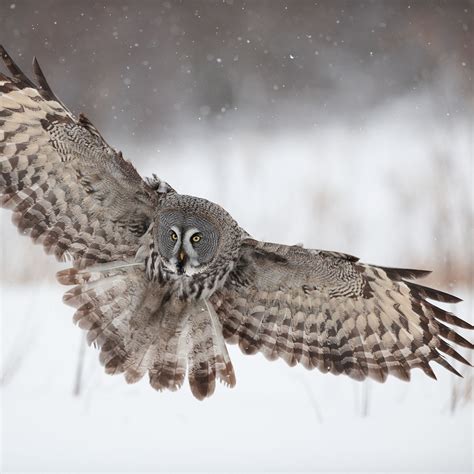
276,418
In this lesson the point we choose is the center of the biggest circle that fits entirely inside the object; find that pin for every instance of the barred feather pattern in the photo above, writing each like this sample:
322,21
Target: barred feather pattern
79,198
143,327
326,310
67,188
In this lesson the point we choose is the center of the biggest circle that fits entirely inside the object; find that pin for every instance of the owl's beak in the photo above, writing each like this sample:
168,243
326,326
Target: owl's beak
181,261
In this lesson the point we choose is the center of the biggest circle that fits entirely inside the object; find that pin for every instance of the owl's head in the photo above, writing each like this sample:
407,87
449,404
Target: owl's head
192,234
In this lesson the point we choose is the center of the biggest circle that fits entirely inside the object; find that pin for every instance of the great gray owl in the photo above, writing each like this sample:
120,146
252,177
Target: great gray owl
163,280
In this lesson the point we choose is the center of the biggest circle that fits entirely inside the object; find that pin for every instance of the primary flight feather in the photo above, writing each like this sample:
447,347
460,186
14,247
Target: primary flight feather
164,280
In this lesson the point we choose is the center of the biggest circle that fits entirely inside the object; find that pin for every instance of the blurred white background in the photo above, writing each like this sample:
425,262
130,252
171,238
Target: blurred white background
341,125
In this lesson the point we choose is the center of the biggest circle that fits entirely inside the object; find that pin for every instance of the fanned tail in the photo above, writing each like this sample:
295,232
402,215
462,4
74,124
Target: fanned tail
142,327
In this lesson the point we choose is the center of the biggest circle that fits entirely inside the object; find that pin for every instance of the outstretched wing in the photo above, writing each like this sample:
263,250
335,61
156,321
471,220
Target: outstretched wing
68,189
327,310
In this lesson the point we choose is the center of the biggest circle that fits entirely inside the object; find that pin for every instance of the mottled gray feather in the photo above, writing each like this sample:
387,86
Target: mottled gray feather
78,197
326,310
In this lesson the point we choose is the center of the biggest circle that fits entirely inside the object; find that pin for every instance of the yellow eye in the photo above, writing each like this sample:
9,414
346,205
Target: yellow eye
196,238
173,235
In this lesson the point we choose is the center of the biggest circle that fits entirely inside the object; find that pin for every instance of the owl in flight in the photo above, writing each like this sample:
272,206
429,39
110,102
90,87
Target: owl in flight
162,280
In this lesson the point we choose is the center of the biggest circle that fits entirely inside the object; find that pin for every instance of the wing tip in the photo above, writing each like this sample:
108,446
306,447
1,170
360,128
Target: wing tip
448,298
398,274
408,273
6,58
447,316
3,53
428,370
22,79
444,363
425,292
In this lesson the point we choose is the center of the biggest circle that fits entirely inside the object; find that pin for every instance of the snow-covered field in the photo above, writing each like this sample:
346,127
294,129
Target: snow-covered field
372,190
276,419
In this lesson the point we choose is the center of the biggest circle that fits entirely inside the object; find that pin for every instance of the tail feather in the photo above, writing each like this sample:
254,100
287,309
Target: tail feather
168,367
140,329
208,358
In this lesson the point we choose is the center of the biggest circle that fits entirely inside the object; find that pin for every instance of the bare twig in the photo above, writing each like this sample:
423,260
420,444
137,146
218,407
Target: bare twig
80,366
365,399
312,398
